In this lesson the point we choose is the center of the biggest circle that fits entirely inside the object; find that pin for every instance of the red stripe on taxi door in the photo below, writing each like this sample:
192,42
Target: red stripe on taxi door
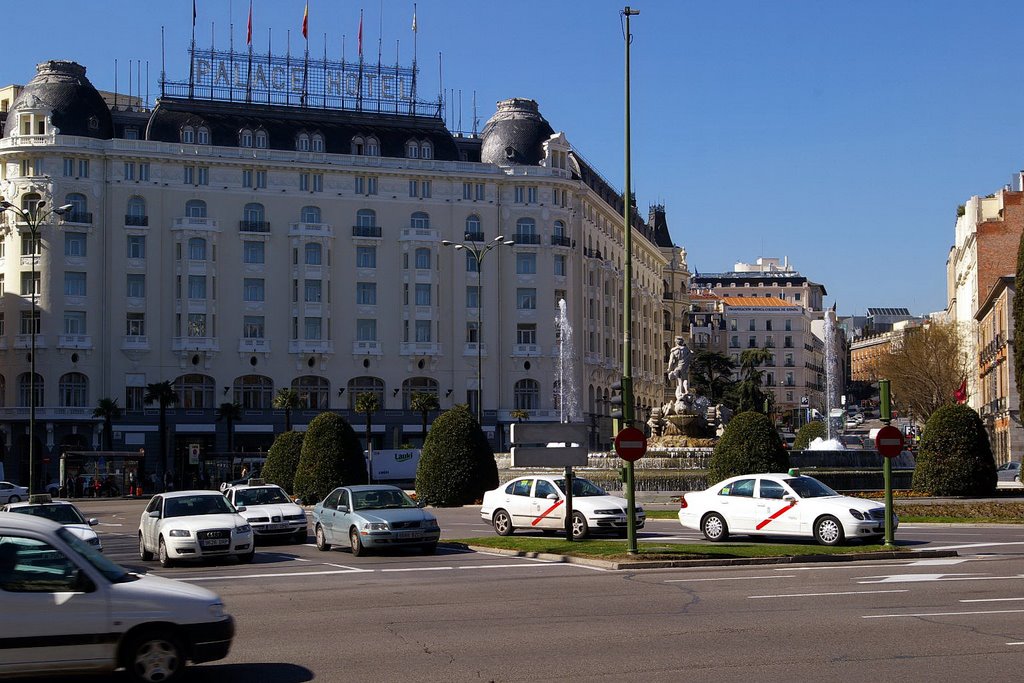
775,516
545,513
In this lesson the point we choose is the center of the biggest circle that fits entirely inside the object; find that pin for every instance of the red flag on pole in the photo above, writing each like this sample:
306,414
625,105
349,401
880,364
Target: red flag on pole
960,395
305,22
248,35
193,13
360,34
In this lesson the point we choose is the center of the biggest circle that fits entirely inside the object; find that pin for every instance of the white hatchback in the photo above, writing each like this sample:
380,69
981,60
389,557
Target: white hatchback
781,505
62,512
193,525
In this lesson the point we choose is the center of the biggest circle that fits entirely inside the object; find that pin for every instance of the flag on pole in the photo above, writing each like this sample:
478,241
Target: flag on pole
248,34
960,395
305,22
360,34
194,13
414,17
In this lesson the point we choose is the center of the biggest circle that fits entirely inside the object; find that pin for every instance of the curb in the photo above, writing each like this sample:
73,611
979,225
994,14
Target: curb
723,562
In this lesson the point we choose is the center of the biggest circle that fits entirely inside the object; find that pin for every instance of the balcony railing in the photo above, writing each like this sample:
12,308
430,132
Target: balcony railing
474,237
196,223
526,238
420,349
366,231
366,348
526,350
78,217
310,229
310,346
470,348
592,253
140,221
253,226
195,344
253,345
74,341
137,342
561,241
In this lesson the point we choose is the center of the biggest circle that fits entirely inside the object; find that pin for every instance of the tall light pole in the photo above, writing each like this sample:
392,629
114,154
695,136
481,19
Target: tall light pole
33,216
479,250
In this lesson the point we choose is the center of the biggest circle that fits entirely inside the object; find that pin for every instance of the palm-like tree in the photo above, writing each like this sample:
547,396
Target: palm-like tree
751,396
367,403
519,414
108,409
423,402
162,393
230,412
287,400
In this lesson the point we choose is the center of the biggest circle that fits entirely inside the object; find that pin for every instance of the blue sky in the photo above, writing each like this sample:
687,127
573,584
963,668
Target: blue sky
840,134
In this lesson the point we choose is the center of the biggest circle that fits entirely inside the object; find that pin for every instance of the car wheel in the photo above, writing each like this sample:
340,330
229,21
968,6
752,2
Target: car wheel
502,523
321,539
14,499
714,528
143,553
828,531
165,559
356,542
430,549
248,557
579,526
154,656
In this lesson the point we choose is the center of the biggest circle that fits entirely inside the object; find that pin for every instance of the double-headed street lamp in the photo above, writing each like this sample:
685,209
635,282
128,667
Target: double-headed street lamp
33,216
479,250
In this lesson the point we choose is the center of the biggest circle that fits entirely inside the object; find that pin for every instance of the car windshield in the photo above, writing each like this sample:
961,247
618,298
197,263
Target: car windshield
260,496
581,487
186,506
809,487
113,571
65,514
380,499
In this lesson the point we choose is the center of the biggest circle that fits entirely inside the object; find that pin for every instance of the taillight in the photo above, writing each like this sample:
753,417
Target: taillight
682,501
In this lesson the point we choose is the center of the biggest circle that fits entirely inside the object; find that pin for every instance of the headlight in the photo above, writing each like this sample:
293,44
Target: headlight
94,540
431,524
857,514
216,610
608,512
179,532
243,529
375,526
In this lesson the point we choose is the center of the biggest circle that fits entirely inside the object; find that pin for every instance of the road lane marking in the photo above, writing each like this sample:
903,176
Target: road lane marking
280,575
907,578
815,595
730,578
937,561
976,545
416,569
992,600
940,614
511,566
1020,643
847,567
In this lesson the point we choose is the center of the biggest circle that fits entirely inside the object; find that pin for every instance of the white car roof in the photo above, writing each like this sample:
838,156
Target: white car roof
239,487
13,520
197,492
25,504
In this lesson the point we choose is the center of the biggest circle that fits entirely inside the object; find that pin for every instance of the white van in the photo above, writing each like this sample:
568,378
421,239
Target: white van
67,608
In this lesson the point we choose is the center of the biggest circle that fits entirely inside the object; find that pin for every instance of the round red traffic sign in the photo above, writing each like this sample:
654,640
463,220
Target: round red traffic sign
889,441
630,444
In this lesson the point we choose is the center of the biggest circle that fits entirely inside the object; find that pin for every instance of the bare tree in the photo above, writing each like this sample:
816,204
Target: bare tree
925,366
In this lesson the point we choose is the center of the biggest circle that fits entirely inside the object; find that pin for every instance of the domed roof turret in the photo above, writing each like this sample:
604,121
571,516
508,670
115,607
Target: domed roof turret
515,135
74,106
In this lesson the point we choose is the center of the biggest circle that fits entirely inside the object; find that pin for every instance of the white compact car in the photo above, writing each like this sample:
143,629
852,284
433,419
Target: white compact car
538,502
72,610
193,525
12,493
62,512
269,510
781,505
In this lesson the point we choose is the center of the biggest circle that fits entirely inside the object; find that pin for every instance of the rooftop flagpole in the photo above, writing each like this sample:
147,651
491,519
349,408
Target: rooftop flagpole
248,42
305,63
192,54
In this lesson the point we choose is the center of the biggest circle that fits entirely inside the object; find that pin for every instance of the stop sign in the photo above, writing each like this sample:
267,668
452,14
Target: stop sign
889,441
630,444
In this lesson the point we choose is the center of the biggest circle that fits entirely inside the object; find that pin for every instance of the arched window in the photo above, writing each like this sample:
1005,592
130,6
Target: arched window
73,390
203,138
30,201
195,391
357,146
420,220
315,392
253,213
413,384
366,218
473,229
195,208
559,229
317,142
365,385
188,135
426,150
526,226
254,392
79,204
245,138
310,214
23,390
372,147
302,142
412,149
197,249
314,254
136,209
422,259
527,394
262,141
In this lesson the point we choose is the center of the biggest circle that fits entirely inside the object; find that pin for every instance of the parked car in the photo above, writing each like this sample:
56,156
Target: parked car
193,525
781,505
74,611
269,510
1009,471
62,512
12,493
372,517
537,502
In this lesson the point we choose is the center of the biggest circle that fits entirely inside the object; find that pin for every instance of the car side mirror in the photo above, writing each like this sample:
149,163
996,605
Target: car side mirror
93,521
552,496
240,508
789,498
155,514
343,508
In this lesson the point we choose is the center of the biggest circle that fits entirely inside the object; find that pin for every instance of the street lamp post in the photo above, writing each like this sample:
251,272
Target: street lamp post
33,216
479,251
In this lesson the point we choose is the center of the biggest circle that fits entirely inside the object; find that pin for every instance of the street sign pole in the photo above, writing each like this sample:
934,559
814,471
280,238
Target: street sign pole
886,415
631,445
568,503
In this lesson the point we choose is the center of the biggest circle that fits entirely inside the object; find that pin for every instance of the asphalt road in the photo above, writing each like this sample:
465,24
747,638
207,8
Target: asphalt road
304,615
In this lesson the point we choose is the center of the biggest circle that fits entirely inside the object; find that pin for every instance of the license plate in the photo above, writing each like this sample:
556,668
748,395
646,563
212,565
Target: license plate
276,527
214,542
408,534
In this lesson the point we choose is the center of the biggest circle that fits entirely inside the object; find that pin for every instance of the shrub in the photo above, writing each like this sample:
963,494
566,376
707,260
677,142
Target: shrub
457,464
955,458
749,445
283,460
808,433
331,456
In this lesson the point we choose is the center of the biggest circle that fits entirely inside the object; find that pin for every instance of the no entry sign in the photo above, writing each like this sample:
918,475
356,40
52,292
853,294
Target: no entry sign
889,441
630,444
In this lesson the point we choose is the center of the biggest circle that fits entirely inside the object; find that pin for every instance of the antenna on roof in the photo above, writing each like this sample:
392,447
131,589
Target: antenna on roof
115,83
475,119
163,62
460,110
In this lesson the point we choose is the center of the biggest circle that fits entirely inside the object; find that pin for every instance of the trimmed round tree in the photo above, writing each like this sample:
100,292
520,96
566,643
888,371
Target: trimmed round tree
808,433
457,464
283,460
955,458
749,445
331,456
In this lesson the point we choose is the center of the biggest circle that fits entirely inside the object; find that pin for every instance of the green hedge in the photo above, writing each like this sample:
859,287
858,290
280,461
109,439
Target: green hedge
955,458
749,445
456,464
331,456
808,433
283,460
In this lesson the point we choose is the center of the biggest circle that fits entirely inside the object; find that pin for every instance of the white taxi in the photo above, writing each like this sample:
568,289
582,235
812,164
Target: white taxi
781,505
193,525
269,510
538,502
62,512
